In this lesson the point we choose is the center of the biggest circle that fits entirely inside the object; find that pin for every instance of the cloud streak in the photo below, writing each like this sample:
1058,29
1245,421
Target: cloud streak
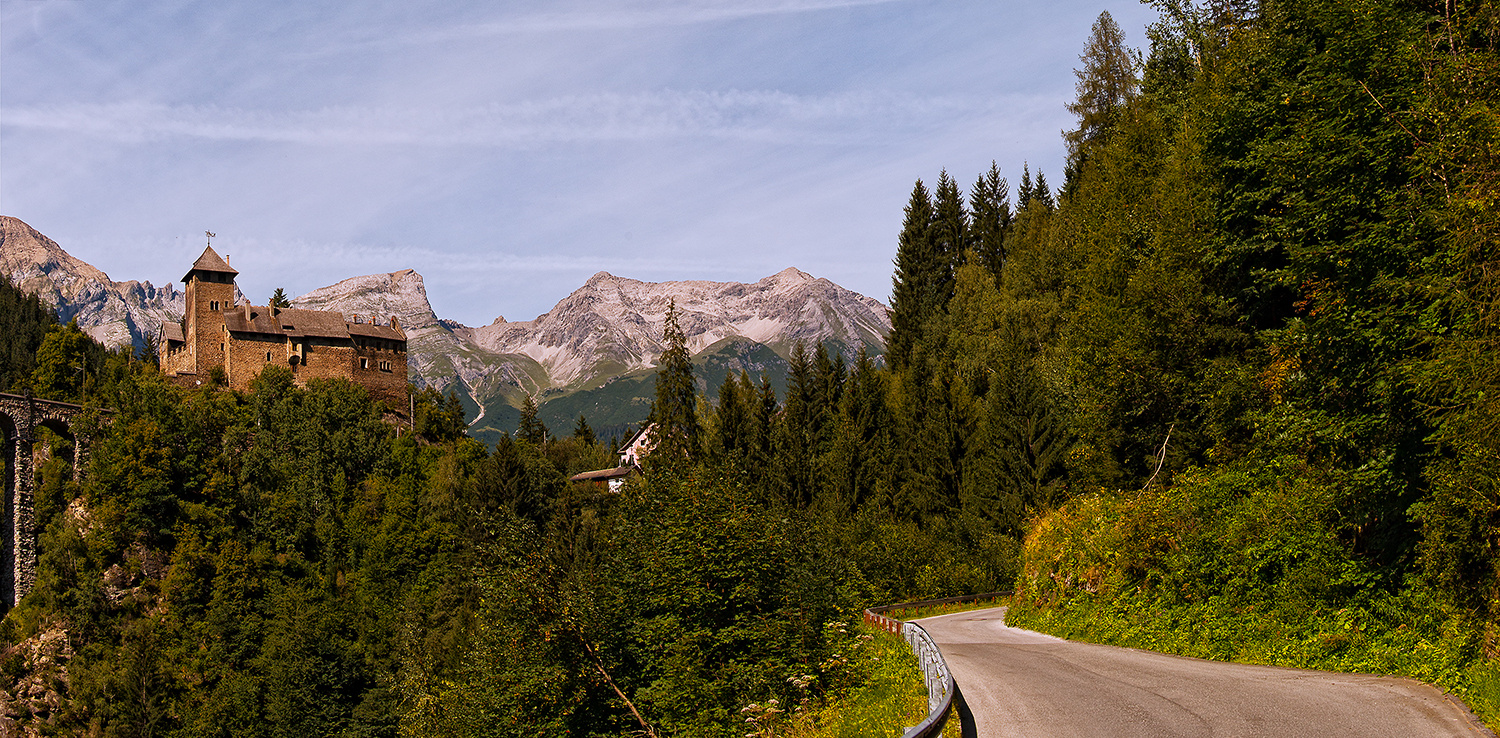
765,116
611,19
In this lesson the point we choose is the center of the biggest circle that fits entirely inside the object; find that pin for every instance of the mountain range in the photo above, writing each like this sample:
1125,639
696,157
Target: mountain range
593,353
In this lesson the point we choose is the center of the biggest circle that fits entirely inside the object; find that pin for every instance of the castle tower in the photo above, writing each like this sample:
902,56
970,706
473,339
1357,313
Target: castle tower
210,292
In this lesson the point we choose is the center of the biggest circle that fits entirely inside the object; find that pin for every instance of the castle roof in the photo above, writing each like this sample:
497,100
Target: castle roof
172,332
209,262
298,323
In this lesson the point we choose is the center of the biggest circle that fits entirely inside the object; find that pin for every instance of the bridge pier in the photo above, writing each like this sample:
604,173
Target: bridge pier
19,417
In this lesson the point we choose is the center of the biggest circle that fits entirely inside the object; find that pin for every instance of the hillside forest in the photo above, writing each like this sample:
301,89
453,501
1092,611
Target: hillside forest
1231,389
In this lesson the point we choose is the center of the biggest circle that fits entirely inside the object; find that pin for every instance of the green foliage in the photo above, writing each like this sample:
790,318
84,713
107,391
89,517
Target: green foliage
674,412
279,299
24,323
530,428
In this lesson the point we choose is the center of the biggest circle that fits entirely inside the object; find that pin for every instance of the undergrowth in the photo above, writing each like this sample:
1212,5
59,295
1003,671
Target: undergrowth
1234,565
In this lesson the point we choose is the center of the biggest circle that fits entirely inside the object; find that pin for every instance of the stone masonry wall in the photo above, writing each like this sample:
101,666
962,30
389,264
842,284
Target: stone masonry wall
247,356
205,326
387,384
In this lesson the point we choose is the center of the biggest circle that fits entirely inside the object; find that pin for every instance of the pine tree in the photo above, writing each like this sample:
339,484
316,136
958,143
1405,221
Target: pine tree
531,429
917,267
989,218
675,408
583,432
279,299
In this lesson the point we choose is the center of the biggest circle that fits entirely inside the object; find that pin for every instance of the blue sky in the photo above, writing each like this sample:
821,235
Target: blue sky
509,150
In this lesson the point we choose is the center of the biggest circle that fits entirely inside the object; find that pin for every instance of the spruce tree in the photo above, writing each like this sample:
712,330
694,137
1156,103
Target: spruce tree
583,432
989,218
1025,191
916,272
1042,196
674,411
531,429
950,240
279,299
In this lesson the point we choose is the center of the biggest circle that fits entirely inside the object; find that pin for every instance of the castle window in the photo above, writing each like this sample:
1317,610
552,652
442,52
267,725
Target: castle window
268,357
364,363
213,304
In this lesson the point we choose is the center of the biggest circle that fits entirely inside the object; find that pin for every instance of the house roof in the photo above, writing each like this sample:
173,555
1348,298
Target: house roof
603,474
209,262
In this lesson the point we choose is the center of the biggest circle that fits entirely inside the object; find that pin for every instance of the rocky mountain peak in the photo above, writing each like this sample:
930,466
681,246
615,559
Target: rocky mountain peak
115,313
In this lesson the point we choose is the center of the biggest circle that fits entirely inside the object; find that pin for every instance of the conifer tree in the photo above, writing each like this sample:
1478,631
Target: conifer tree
279,299
795,434
583,432
531,429
917,270
1025,191
1106,84
1041,196
989,218
731,431
675,408
950,239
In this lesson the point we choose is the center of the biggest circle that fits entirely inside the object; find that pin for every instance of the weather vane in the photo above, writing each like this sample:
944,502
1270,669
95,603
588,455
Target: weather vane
210,235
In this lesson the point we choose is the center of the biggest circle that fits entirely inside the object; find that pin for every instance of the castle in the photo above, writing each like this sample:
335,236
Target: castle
244,339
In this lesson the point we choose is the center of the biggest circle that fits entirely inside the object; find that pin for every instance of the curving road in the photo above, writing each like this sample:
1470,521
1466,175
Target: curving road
1026,684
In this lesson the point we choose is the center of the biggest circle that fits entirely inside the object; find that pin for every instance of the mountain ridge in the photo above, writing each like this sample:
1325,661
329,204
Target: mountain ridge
608,329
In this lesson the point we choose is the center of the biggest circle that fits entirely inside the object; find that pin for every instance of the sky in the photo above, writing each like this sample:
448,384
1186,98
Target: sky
508,150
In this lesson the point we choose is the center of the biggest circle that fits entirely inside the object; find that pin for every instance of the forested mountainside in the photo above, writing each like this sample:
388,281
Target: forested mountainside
1228,391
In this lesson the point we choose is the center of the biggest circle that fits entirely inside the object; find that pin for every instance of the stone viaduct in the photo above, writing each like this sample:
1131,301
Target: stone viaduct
20,416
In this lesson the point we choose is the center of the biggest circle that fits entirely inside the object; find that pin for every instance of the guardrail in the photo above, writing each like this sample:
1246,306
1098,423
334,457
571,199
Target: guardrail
941,688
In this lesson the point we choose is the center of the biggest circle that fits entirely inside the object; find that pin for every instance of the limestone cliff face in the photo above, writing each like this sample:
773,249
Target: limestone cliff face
115,313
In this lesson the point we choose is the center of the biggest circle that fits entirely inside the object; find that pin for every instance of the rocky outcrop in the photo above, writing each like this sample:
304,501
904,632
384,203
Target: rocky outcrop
613,325
115,313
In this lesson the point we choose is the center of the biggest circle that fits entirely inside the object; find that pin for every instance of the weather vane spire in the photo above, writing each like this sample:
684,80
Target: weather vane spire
210,235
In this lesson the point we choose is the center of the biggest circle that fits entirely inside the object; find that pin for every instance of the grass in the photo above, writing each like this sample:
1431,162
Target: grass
889,699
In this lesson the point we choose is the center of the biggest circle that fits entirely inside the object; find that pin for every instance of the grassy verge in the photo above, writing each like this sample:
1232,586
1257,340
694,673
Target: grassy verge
889,697
928,611
1244,564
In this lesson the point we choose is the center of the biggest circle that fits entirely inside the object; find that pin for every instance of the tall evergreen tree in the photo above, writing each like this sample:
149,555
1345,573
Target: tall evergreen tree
583,432
530,428
1106,84
675,408
989,218
1041,196
1025,191
950,239
918,267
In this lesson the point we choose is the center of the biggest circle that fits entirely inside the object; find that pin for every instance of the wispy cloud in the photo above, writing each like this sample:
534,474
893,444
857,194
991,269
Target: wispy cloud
605,19
849,118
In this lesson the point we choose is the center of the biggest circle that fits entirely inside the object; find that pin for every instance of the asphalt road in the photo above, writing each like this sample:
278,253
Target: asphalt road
1026,684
